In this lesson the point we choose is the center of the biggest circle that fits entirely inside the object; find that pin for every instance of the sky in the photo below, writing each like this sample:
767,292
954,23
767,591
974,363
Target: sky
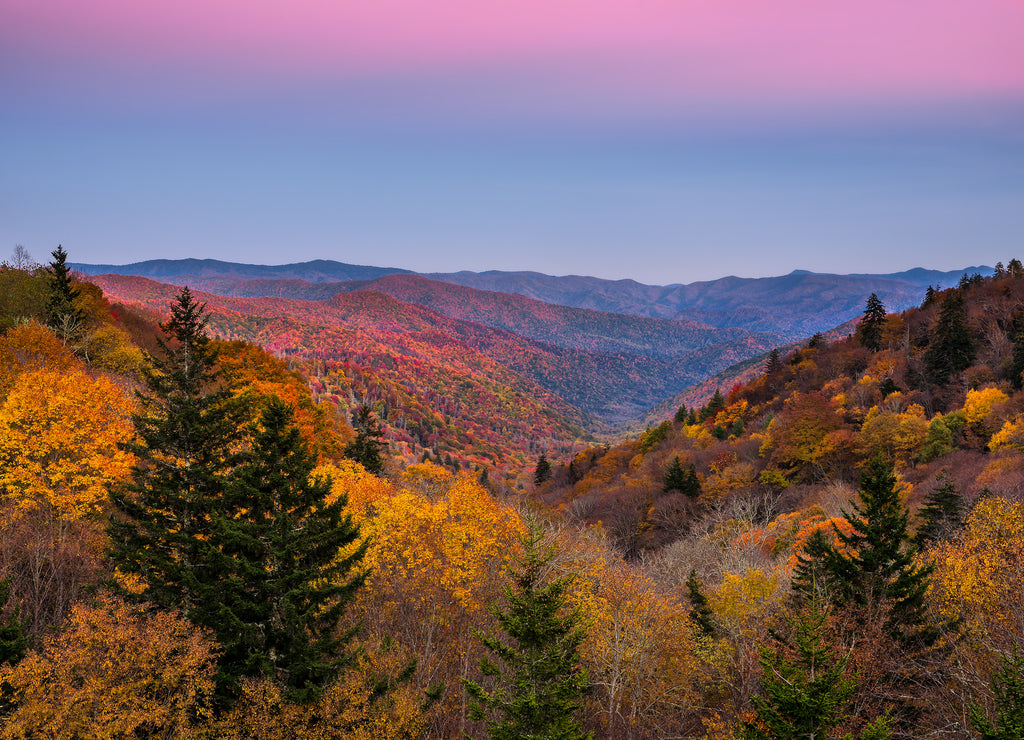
665,141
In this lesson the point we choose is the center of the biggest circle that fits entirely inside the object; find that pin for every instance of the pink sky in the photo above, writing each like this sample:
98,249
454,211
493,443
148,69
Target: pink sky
792,49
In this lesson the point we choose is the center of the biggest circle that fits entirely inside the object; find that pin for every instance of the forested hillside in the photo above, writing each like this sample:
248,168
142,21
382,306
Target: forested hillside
195,542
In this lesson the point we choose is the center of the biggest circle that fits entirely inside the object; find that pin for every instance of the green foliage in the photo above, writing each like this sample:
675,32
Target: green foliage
13,637
877,572
188,428
1008,688
950,348
543,470
700,611
773,364
654,436
869,331
62,315
716,404
366,449
682,478
540,684
817,342
942,512
23,295
292,552
806,695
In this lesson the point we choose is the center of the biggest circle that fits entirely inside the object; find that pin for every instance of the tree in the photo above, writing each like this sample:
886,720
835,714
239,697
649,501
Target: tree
869,331
700,611
682,479
1008,688
540,682
366,448
1017,358
950,348
942,512
292,552
877,571
61,313
188,429
543,470
773,364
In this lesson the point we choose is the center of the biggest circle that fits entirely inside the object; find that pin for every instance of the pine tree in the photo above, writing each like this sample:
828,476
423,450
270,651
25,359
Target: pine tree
942,512
810,576
292,562
805,696
870,328
366,449
879,576
540,684
543,470
1008,688
700,612
675,477
950,347
774,363
61,313
681,414
929,297
187,430
817,341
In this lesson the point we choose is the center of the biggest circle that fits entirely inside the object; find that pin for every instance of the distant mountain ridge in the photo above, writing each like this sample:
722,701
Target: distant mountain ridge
793,306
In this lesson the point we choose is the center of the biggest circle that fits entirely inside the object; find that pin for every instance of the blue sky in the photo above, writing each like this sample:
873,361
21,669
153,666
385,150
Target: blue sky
659,145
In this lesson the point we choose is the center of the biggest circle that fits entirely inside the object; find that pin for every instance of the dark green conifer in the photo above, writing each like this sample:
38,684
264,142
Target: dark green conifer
62,315
187,430
13,637
1017,358
869,331
804,695
291,563
774,363
539,682
950,347
929,297
816,342
942,512
879,577
810,576
1008,689
1014,267
681,414
367,448
700,612
675,477
543,470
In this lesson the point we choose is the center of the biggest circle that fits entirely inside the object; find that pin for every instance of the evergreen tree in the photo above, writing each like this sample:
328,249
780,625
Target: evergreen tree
291,559
681,414
806,693
691,418
810,576
543,470
166,528
950,347
869,331
942,512
367,448
700,612
13,637
1014,267
879,576
716,404
1008,688
675,476
816,342
929,297
61,313
540,684
774,363
1017,358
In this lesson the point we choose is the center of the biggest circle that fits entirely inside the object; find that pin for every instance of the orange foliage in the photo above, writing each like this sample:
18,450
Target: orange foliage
115,671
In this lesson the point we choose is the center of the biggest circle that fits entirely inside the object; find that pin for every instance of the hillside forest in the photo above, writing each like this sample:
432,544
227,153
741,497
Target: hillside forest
197,540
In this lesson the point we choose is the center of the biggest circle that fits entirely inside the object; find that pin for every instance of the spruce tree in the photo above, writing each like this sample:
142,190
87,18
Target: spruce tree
540,684
543,470
810,576
950,348
806,695
367,448
291,559
1008,688
877,573
61,313
870,328
774,363
187,433
675,477
13,637
700,611
942,512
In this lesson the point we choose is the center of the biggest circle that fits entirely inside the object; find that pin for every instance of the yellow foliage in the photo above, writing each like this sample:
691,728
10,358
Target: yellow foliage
898,435
745,603
31,347
977,578
112,349
362,488
979,408
1010,436
115,671
347,708
730,478
59,437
